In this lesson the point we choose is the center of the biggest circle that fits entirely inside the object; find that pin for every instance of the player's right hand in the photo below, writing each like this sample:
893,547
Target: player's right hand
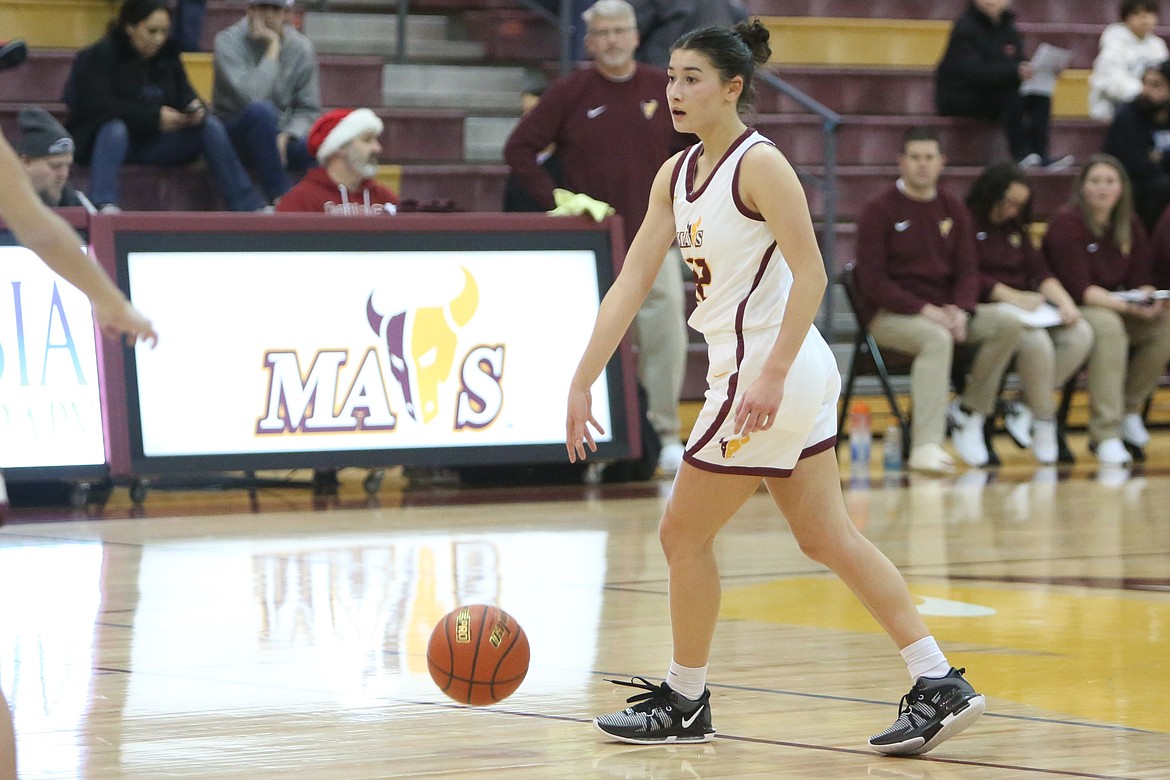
122,319
578,420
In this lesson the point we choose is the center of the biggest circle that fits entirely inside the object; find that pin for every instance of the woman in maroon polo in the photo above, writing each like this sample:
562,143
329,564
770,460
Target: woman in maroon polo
1012,271
1096,246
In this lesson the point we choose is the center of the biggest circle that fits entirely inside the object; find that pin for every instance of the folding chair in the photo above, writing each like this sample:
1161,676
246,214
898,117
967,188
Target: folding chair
869,359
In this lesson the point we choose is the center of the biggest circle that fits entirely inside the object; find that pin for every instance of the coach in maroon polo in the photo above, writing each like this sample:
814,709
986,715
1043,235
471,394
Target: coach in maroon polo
919,281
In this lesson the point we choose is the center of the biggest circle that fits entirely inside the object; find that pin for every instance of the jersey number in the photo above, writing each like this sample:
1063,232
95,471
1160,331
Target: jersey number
702,273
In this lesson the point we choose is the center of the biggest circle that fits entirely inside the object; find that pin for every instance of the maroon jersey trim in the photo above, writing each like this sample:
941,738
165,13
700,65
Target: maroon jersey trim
693,164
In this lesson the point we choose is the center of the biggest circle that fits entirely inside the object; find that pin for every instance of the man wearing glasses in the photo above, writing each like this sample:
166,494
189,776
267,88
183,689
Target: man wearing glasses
612,130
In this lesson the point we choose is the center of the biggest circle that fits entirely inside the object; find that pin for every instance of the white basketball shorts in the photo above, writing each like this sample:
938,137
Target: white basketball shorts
805,424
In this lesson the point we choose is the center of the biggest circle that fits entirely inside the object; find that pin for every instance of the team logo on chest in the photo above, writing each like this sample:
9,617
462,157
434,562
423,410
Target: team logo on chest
945,225
649,108
692,236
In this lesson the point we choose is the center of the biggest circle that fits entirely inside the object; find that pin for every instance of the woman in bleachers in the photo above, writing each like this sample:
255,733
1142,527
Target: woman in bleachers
1012,270
1097,248
130,101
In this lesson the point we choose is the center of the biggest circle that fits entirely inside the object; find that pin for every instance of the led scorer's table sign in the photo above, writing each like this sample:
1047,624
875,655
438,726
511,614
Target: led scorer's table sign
50,395
310,349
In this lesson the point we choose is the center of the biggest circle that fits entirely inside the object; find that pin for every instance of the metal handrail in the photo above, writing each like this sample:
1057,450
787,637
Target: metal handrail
831,122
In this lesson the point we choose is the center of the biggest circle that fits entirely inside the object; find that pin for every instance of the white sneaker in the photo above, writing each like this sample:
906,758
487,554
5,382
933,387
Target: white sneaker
1133,430
1018,422
110,208
932,459
1033,160
671,457
967,435
1044,445
1060,163
1112,452
1112,476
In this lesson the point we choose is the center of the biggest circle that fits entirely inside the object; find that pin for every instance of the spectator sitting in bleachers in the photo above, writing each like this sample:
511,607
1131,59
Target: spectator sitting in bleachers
1011,270
1140,137
1097,246
130,101
267,92
345,143
1127,48
919,283
516,198
979,76
46,152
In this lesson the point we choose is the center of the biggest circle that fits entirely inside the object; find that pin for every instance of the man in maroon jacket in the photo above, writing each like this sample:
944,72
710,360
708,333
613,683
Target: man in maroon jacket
919,282
345,143
612,131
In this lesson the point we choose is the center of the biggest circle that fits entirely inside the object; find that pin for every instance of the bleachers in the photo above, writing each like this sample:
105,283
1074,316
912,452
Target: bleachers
449,107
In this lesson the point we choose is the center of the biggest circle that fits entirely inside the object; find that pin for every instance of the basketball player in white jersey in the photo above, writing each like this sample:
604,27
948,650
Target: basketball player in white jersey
739,214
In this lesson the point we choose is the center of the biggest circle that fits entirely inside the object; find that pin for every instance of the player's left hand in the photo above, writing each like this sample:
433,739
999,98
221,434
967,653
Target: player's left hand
756,410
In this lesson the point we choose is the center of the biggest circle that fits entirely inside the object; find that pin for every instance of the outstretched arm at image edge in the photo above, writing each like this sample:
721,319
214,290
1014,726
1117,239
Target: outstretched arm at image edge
621,303
59,246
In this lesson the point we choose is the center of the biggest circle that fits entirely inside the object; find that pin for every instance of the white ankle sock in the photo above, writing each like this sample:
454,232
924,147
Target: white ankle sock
687,681
924,659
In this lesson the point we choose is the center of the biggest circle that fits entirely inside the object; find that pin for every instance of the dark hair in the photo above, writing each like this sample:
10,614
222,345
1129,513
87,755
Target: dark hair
919,133
1119,219
988,190
131,12
1131,7
733,51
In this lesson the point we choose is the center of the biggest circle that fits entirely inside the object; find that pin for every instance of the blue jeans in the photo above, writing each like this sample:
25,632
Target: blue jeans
112,148
189,24
253,132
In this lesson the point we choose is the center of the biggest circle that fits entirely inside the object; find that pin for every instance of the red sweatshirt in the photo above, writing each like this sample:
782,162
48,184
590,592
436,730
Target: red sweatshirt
318,192
611,138
911,253
1078,258
1006,255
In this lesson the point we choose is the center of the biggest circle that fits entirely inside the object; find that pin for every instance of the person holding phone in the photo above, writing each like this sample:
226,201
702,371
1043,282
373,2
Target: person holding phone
130,101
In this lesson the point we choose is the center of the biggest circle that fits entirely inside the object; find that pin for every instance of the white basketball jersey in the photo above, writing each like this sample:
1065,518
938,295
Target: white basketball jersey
741,279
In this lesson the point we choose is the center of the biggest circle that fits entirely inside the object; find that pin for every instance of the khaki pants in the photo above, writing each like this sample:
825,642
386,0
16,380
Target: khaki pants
660,331
1046,358
1128,356
995,331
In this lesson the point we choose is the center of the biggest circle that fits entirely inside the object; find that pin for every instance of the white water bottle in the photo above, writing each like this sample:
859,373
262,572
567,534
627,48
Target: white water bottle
860,436
892,449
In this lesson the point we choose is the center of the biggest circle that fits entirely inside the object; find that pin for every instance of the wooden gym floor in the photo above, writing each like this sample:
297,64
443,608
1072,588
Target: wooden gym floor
221,635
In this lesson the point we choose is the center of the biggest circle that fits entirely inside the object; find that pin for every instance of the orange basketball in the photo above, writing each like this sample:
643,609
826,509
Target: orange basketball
478,654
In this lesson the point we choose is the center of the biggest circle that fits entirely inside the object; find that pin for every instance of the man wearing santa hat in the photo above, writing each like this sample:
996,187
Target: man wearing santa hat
345,143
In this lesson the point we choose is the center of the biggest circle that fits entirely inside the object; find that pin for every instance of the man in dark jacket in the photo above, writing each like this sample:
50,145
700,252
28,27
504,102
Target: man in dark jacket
979,77
1140,137
46,152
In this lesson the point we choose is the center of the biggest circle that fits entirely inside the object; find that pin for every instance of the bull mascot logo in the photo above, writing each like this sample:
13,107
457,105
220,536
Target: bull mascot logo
433,338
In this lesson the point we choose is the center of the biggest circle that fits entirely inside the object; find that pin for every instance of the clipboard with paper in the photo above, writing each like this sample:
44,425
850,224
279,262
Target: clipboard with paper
1047,64
1043,316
